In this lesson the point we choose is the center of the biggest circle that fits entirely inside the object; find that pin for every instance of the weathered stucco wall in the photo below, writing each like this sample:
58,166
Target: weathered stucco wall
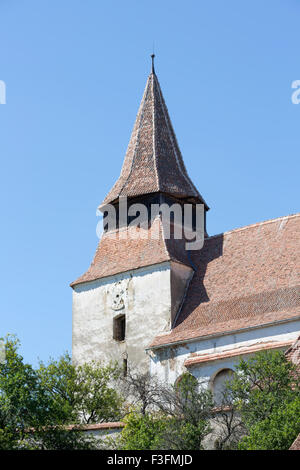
168,363
143,295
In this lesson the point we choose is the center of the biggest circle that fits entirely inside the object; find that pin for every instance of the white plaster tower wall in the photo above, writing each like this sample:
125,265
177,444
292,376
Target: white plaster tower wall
143,295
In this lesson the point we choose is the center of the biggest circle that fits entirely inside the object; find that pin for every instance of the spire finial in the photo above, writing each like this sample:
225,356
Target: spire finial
152,57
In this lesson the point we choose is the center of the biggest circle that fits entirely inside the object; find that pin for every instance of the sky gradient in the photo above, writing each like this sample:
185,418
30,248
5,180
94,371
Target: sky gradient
75,72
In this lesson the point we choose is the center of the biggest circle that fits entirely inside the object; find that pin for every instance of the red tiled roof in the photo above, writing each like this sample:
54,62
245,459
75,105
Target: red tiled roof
153,162
95,427
208,357
244,278
118,252
296,444
85,427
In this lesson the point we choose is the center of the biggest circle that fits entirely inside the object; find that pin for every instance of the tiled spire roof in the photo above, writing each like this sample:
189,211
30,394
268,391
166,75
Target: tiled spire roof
153,162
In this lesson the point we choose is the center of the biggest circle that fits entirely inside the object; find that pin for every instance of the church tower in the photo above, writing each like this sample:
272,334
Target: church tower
138,278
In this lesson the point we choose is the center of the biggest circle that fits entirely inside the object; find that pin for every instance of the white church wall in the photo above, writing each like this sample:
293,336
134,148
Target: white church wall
168,363
143,295
102,435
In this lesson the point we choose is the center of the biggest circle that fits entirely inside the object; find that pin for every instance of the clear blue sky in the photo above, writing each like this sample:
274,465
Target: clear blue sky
75,73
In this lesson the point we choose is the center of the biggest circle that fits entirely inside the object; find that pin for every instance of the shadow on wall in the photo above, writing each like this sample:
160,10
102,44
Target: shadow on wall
196,293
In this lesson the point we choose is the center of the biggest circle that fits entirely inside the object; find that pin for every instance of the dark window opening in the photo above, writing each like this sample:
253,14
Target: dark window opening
119,328
124,367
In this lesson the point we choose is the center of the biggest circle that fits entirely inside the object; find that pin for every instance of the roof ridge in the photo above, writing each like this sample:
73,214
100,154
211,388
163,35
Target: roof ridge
141,113
171,136
264,222
154,135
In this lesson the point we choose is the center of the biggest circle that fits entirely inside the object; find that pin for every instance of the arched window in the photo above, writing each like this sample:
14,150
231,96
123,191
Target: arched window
219,384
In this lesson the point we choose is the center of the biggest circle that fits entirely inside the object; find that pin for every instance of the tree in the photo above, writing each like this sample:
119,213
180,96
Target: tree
227,424
142,431
173,418
277,431
142,390
189,408
260,407
83,394
264,394
23,403
36,405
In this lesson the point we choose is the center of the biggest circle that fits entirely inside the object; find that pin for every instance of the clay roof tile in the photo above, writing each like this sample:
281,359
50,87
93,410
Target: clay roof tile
153,161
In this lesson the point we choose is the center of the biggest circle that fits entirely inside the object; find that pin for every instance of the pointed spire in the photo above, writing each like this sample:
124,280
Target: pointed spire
152,69
153,161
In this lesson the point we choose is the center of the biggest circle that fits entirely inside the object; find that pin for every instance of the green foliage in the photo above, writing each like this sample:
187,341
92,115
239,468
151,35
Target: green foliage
96,400
82,393
57,380
36,405
190,403
277,431
185,435
142,432
188,408
23,402
265,391
59,438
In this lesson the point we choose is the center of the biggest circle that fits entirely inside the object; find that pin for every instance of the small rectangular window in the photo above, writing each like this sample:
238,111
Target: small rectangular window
119,328
125,367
